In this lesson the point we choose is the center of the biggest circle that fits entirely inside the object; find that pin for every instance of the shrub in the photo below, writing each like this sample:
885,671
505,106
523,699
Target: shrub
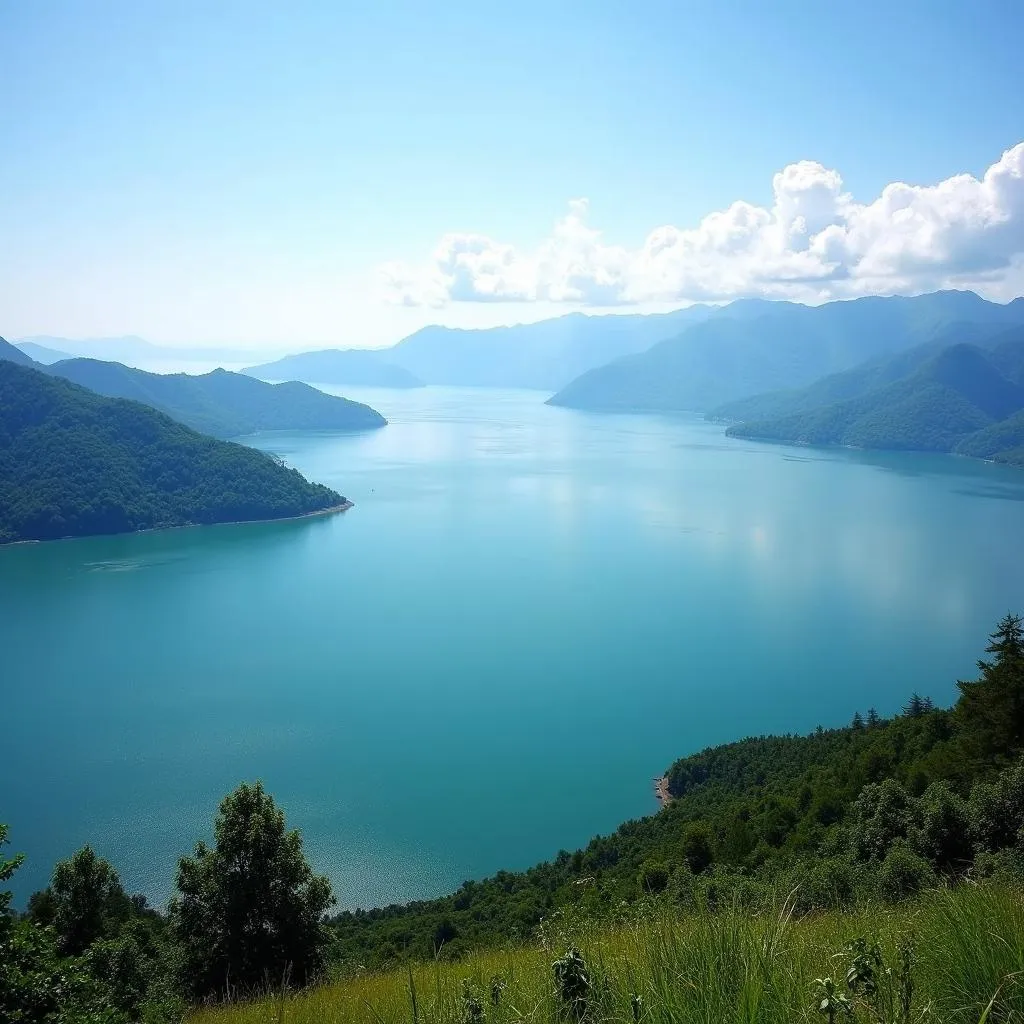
902,874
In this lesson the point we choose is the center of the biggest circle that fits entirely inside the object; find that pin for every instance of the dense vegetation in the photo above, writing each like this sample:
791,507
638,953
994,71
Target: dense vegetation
73,463
753,347
221,403
354,367
961,399
846,822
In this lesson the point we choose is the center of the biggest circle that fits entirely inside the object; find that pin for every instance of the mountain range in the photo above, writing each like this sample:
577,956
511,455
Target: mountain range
545,355
42,353
766,346
129,349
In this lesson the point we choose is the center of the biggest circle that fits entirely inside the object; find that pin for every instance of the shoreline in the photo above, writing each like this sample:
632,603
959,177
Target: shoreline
661,793
343,507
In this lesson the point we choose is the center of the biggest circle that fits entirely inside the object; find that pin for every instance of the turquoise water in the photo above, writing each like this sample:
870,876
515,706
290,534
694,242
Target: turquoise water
528,614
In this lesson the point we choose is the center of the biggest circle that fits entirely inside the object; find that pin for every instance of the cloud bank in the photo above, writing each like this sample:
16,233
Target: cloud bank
814,243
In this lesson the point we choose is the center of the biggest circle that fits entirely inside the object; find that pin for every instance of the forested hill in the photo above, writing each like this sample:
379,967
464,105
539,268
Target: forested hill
73,463
221,403
963,399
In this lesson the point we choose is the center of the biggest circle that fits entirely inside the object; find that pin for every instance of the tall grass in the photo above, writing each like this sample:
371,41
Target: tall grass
948,954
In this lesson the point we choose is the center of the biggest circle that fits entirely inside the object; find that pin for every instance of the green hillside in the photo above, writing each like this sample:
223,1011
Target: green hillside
351,367
775,346
939,407
1001,442
221,403
74,463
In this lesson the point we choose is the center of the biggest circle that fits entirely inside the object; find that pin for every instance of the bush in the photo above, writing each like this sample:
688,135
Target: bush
902,874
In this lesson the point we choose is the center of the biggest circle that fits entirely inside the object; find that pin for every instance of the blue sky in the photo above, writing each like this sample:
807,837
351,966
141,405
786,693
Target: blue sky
310,174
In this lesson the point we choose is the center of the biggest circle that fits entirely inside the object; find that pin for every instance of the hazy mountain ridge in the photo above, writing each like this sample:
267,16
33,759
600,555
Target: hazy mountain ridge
353,367
875,373
13,354
41,353
131,350
544,355
782,345
221,403
74,463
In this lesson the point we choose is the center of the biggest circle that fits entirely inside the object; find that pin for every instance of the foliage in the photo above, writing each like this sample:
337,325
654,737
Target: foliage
87,902
73,463
991,707
250,909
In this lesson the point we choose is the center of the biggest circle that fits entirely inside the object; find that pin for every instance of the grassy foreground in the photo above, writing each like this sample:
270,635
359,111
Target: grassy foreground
951,956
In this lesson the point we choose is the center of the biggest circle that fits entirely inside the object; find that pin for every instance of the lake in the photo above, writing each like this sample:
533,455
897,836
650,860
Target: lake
528,614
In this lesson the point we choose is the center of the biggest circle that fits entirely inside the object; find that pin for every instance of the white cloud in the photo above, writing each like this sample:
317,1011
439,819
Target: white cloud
814,243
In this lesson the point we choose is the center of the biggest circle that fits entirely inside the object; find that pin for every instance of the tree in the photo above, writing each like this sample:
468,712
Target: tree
85,901
7,869
873,718
991,708
697,849
858,721
250,911
916,706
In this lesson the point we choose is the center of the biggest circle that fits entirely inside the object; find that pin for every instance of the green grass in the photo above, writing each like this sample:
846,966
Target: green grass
735,967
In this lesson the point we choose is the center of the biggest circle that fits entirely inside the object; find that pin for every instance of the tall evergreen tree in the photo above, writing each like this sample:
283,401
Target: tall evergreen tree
250,911
915,707
991,708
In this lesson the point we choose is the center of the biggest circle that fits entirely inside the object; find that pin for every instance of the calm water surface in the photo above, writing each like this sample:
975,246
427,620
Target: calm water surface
528,614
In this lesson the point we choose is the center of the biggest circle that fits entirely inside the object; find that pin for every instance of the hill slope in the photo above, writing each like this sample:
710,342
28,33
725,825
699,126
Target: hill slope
940,405
74,463
545,355
221,403
12,354
355,367
786,346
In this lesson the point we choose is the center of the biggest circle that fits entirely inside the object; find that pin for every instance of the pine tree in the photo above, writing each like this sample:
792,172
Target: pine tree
873,718
858,721
916,706
991,708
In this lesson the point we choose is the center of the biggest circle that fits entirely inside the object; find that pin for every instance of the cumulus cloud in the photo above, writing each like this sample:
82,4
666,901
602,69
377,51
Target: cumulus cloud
814,242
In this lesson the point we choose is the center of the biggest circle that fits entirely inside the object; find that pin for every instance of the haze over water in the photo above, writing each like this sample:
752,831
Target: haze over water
528,614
